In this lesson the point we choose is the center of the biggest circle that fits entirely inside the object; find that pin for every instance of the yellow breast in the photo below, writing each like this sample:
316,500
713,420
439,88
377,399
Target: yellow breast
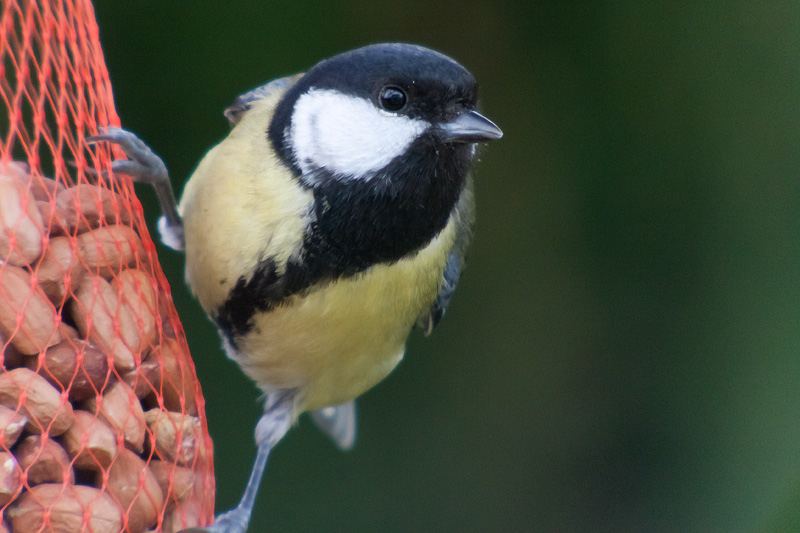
337,341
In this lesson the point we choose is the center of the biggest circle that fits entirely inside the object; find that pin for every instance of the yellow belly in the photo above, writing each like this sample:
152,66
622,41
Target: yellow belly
337,341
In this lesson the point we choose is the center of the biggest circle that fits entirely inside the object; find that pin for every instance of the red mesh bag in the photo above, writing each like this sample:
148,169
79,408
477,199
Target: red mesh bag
102,423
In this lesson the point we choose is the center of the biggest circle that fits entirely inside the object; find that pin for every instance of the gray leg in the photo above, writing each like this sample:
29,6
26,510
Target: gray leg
146,167
273,425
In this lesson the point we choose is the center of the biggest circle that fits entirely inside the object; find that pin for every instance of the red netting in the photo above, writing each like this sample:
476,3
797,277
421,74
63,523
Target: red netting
102,424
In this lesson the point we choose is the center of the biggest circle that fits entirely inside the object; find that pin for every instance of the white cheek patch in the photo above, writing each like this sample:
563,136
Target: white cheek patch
348,135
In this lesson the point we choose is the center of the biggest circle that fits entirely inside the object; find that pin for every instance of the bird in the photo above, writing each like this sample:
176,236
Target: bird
332,220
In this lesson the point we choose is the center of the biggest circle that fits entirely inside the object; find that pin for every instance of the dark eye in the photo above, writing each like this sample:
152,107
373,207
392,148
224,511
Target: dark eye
392,98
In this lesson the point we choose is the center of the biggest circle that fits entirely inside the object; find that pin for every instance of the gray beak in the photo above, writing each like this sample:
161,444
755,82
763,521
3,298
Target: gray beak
470,127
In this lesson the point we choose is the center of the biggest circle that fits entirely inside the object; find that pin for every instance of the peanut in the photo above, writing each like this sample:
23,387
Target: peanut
10,478
9,356
48,214
44,461
75,366
90,442
36,399
21,228
60,270
176,435
107,250
176,481
51,218
120,408
145,380
65,508
11,425
98,315
26,315
68,332
177,383
18,170
40,187
84,207
135,289
136,489
187,515
43,188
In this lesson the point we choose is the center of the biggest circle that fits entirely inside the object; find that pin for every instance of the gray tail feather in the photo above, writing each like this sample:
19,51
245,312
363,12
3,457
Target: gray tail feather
338,422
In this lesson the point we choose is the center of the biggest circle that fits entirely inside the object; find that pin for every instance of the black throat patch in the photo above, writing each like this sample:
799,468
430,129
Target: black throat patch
358,223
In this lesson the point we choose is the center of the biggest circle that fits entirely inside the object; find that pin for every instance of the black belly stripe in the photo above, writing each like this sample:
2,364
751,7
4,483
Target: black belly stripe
263,291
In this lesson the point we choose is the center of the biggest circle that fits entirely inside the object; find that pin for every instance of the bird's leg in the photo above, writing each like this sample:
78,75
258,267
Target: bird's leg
273,425
146,167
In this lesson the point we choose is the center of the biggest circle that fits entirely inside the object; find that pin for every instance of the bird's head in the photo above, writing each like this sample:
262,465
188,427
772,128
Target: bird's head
372,112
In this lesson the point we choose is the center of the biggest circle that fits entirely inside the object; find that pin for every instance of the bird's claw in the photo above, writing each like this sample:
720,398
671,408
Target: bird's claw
142,164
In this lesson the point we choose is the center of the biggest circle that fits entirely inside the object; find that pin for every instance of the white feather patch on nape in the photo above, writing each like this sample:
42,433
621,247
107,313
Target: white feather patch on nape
348,135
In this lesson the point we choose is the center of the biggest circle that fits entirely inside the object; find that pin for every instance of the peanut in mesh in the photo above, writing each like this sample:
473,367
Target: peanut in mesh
78,314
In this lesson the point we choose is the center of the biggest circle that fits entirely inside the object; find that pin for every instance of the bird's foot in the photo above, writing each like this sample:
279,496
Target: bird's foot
144,166
233,521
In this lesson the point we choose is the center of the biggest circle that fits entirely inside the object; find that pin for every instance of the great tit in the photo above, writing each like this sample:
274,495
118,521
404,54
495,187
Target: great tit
332,219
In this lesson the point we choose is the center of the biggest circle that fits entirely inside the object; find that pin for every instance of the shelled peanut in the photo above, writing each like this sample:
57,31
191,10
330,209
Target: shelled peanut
98,417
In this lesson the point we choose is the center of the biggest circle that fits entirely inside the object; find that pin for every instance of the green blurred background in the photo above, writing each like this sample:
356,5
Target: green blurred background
622,353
